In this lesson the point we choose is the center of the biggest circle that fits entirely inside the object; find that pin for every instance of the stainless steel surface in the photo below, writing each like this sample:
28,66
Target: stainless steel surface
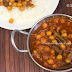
12,40
29,36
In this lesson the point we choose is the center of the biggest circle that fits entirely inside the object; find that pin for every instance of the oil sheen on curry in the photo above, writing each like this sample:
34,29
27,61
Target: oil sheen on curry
51,43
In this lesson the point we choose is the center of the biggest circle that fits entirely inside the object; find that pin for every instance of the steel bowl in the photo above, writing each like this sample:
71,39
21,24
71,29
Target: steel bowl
35,26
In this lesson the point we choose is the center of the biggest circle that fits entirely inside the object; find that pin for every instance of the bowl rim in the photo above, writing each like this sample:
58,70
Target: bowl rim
29,48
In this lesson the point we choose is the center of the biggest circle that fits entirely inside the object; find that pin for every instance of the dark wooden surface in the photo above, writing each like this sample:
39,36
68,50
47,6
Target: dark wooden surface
10,59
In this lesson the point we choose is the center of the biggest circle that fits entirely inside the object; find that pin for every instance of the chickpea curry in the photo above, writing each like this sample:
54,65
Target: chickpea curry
17,3
51,43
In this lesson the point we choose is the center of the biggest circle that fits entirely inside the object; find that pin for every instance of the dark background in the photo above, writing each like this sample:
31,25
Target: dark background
13,61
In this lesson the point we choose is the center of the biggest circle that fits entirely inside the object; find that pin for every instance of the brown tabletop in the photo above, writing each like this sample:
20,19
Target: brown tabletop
13,61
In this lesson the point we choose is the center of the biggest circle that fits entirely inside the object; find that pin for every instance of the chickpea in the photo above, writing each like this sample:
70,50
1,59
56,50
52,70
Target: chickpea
19,4
24,3
54,41
22,8
59,57
45,57
15,4
62,46
12,1
43,33
45,64
69,42
37,42
11,20
56,20
70,35
1,3
64,34
52,51
54,65
62,20
9,7
51,37
38,36
35,51
32,5
50,61
67,61
49,33
44,25
63,31
46,48
40,47
43,40
58,28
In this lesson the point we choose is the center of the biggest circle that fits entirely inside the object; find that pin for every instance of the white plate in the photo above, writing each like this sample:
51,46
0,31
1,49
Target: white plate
28,18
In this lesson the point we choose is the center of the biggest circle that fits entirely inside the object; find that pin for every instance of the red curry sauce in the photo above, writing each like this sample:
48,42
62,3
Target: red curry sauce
51,43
